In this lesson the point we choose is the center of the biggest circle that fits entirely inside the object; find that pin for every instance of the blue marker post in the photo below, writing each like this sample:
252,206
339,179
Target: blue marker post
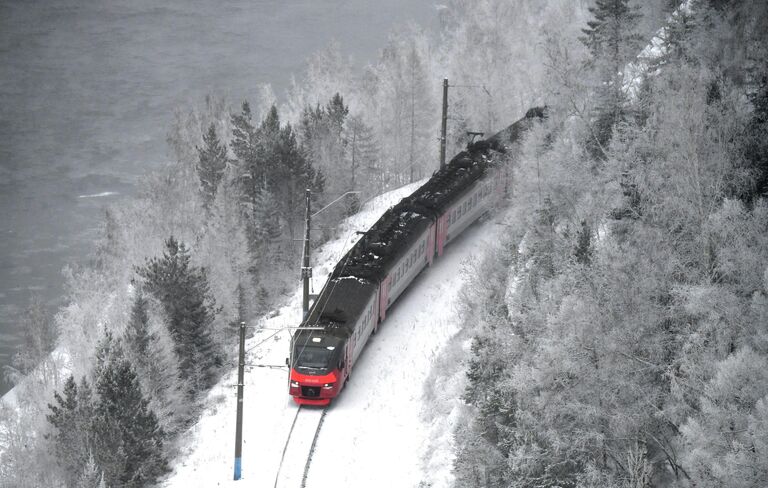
239,424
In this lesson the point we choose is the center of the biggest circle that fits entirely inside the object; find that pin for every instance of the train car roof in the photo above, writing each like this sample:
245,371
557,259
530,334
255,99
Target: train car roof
511,134
449,183
341,301
374,255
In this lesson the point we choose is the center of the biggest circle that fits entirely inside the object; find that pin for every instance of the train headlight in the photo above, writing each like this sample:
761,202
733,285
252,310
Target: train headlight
294,384
328,386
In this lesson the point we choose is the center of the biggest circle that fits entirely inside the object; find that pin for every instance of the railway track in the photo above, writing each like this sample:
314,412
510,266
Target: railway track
299,447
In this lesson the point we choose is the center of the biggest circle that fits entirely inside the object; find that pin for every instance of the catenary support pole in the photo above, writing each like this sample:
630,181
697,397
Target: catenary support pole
240,384
306,271
444,123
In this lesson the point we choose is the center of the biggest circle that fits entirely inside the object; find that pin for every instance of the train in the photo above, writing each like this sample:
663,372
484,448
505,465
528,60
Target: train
378,269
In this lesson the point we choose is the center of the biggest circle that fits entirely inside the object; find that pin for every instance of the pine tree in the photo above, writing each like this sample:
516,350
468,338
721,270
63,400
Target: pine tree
755,144
155,362
418,105
72,436
363,154
183,291
137,334
612,41
128,439
294,175
266,220
268,150
289,172
337,114
245,146
91,477
583,249
212,161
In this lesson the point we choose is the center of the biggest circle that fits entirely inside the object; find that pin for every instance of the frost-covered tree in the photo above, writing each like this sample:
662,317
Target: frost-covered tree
183,291
755,143
128,439
39,337
726,442
249,172
150,350
212,161
71,419
612,39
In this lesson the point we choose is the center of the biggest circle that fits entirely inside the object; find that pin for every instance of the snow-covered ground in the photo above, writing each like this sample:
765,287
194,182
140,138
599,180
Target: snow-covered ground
378,432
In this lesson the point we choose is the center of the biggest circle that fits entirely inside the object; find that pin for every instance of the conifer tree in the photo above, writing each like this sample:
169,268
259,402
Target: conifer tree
266,219
72,436
268,150
91,476
295,174
212,161
154,360
583,249
183,291
127,437
363,155
337,114
245,146
418,97
612,41
755,144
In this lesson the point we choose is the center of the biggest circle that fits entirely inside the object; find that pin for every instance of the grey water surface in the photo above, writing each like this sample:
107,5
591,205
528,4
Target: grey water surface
87,92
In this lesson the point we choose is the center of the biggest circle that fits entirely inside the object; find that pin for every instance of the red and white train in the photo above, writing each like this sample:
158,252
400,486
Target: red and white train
383,263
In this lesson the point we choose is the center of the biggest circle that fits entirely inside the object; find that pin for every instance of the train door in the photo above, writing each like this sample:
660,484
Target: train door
383,297
430,251
442,232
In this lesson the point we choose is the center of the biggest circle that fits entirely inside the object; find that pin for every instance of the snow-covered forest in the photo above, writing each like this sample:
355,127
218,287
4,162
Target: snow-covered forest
618,329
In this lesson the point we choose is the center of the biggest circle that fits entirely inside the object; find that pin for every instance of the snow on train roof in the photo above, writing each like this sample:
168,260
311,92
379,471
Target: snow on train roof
373,256
341,301
356,277
380,247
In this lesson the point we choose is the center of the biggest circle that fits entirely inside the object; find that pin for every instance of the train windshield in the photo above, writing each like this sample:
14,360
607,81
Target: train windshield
313,358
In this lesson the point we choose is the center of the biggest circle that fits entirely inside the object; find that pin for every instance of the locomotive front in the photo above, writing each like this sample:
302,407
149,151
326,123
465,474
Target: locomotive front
317,362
